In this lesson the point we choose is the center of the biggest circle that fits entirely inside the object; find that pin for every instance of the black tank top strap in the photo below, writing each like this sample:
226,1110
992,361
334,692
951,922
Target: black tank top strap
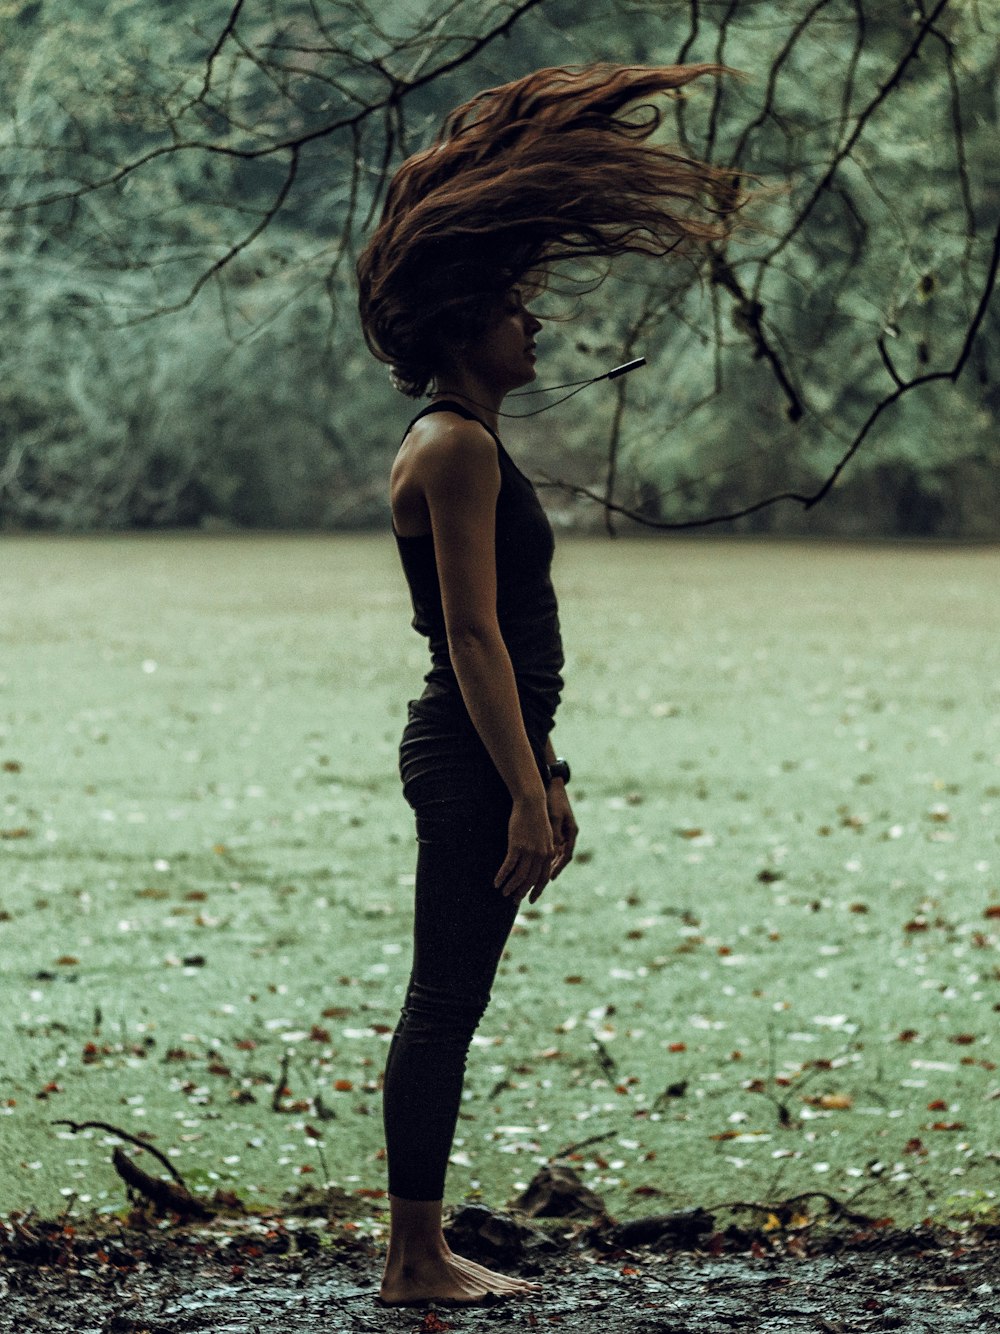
452,405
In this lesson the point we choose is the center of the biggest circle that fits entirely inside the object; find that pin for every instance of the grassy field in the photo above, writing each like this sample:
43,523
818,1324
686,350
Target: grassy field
773,969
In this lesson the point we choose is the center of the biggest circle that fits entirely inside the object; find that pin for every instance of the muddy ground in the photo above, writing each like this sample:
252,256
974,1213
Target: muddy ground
296,1275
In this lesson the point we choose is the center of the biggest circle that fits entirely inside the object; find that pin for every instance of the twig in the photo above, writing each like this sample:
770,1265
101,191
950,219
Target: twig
581,1144
77,1126
279,1088
220,42
177,1198
604,1058
845,150
162,1193
838,1207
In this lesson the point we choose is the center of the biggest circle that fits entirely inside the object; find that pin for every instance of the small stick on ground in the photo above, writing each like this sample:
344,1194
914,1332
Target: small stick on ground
140,1143
176,1198
279,1088
581,1144
162,1193
838,1208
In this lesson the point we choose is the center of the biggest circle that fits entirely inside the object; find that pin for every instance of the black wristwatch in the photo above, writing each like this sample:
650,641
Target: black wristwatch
560,769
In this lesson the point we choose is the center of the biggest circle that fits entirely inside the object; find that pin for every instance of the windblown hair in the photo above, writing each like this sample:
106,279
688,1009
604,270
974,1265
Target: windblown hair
523,176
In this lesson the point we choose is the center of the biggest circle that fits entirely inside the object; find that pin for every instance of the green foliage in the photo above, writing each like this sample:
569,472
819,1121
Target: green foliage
248,398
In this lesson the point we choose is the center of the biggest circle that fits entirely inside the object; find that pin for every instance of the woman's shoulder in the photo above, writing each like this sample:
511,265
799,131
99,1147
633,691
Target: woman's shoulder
444,457
449,439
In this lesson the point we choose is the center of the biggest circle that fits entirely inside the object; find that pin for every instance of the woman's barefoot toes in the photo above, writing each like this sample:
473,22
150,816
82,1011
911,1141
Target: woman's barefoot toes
506,1282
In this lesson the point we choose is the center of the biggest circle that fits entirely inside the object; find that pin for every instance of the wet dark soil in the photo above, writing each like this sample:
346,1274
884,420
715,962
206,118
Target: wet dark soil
299,1275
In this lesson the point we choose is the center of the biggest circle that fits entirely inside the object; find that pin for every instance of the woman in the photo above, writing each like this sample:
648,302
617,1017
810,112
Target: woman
524,176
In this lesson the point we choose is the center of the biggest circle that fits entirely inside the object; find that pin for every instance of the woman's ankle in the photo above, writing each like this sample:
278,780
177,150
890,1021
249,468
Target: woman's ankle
415,1232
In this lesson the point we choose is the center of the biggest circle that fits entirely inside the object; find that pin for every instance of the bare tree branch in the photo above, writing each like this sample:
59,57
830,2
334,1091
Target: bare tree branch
220,42
845,150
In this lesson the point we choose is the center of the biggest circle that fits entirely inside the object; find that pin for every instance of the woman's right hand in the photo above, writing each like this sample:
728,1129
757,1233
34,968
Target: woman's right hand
530,849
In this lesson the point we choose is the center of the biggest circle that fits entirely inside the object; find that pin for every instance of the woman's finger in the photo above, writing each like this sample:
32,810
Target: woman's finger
526,878
564,832
541,878
507,872
521,876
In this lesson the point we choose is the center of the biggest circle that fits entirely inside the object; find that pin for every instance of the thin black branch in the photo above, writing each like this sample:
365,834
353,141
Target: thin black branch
847,95
77,1126
772,80
845,150
959,137
651,309
680,103
213,55
235,249
718,91
748,316
887,361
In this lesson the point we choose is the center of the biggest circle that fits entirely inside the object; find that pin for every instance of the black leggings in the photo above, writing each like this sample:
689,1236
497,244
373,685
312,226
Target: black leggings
461,924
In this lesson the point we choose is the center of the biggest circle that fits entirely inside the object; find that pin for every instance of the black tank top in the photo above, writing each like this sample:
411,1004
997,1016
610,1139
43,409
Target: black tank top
527,612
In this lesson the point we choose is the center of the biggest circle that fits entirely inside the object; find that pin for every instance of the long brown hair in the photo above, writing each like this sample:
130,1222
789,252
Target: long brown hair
521,177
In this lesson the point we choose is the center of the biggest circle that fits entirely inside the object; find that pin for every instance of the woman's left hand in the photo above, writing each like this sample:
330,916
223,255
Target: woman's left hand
564,827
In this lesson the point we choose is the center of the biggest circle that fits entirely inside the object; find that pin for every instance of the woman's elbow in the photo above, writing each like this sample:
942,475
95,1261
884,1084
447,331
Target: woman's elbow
473,638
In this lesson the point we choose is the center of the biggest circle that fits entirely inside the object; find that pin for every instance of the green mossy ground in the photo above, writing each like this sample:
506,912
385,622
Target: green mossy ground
786,768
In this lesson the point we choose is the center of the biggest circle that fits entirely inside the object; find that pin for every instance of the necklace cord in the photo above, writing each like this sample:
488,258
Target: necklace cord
574,386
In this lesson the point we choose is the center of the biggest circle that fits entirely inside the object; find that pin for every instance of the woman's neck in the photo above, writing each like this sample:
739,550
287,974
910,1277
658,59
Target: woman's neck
478,397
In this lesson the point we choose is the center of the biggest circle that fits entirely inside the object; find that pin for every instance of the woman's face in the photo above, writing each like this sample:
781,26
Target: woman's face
503,356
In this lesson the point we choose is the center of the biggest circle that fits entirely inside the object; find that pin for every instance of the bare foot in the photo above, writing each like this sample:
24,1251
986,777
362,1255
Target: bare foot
448,1278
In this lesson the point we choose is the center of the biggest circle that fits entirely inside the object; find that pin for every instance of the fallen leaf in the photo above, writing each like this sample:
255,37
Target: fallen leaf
433,1324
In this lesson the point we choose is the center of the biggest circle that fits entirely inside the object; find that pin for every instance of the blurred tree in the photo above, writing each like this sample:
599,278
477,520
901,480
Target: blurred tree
183,194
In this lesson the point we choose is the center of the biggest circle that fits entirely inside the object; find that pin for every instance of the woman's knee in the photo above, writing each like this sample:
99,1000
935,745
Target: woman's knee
440,1015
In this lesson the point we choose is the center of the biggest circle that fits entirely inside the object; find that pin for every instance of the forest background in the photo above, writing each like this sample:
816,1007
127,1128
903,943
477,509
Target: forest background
184,187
